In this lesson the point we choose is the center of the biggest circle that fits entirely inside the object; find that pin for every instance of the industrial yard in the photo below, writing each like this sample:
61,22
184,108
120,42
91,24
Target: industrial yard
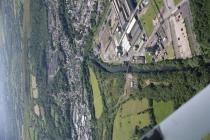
146,31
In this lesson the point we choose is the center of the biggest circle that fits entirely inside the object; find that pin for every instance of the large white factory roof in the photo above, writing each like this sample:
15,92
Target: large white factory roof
131,25
125,44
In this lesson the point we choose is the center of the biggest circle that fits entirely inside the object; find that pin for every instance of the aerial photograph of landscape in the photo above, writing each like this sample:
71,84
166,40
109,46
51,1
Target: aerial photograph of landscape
104,69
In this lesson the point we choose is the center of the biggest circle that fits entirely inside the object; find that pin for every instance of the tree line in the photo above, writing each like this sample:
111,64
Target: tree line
201,21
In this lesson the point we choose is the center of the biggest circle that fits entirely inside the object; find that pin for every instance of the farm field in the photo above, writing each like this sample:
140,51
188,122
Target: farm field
114,86
131,114
98,104
162,110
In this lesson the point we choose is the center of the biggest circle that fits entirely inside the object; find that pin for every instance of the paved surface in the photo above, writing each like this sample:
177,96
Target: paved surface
186,13
181,45
169,4
170,10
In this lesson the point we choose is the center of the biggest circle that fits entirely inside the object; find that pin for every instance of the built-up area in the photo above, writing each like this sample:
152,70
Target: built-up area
146,31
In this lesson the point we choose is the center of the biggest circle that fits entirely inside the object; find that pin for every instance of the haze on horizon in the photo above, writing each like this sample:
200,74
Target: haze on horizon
5,123
3,109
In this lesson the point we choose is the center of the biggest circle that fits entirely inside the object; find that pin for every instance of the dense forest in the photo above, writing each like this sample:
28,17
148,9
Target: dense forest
177,86
201,16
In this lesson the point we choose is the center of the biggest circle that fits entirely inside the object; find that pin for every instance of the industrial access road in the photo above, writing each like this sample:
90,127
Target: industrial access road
170,10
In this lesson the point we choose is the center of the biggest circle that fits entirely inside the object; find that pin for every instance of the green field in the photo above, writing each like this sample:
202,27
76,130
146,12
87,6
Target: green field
170,52
113,88
147,18
148,58
162,110
98,104
128,118
138,1
206,137
177,1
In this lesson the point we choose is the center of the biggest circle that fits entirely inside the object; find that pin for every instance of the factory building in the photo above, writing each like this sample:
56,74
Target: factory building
124,9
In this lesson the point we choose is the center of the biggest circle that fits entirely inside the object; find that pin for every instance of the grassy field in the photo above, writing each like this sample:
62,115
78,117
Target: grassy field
162,110
111,88
114,88
138,1
147,18
206,137
170,52
148,58
98,104
128,118
29,132
177,1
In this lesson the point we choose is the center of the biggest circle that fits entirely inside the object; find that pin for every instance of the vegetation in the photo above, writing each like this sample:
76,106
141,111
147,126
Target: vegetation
201,13
180,87
65,21
162,110
168,90
148,58
60,82
149,16
54,114
177,1
111,88
132,114
206,137
138,1
176,87
98,104
170,52
95,29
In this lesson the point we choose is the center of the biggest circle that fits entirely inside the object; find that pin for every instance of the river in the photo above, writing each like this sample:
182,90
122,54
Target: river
126,68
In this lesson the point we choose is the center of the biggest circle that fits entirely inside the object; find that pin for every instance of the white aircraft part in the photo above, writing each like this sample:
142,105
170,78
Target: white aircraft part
125,44
191,121
131,25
